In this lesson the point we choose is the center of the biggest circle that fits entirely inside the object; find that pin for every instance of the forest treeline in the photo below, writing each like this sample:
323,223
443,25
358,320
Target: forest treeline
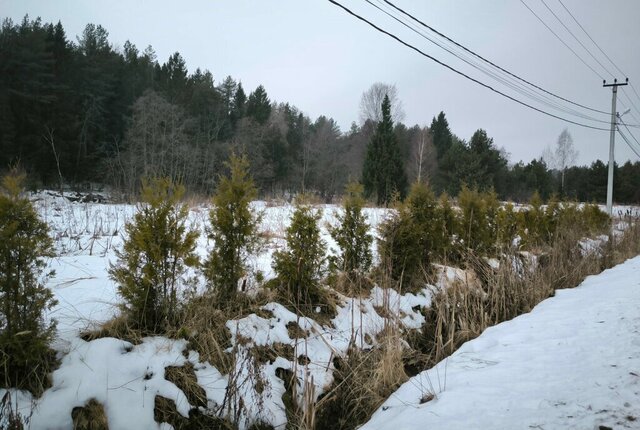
86,111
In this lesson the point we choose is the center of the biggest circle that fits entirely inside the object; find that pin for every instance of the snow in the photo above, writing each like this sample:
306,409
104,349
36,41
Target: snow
573,362
125,378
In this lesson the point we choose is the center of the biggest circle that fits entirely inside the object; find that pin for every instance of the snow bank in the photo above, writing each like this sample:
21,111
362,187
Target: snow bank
573,362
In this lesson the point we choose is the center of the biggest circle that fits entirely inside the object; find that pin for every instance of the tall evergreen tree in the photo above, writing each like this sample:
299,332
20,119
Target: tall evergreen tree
258,105
383,171
238,106
441,134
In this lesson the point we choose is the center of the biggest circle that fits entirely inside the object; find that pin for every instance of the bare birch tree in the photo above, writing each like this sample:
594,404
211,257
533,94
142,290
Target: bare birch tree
564,155
371,103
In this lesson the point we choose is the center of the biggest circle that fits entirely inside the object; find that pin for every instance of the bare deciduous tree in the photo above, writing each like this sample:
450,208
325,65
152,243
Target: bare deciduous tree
371,103
423,156
564,155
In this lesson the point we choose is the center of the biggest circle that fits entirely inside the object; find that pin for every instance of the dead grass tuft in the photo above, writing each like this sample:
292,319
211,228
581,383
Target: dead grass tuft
184,377
118,327
165,411
90,417
295,331
363,381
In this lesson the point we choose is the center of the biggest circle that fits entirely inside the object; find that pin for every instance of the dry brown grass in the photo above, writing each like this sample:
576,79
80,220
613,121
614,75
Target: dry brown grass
184,377
363,381
461,313
118,327
91,416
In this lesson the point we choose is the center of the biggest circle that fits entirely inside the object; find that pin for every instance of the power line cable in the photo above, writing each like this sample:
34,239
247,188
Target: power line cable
489,61
579,57
629,131
631,103
627,142
584,30
516,86
561,40
459,72
574,36
591,38
626,103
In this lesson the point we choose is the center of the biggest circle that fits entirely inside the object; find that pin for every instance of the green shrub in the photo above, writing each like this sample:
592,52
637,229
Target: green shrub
300,267
234,230
352,233
596,221
157,251
410,237
25,356
478,229
532,229
507,225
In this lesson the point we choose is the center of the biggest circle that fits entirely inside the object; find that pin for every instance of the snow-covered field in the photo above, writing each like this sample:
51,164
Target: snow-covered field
125,378
571,363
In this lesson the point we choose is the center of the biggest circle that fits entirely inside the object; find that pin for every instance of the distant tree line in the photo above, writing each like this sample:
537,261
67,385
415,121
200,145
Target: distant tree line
73,112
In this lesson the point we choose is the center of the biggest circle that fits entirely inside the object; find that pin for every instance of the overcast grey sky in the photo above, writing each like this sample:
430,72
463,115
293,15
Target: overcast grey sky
315,56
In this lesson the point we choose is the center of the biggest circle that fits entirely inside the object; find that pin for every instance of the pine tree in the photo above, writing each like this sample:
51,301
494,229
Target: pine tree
352,232
234,230
158,249
24,331
383,173
300,267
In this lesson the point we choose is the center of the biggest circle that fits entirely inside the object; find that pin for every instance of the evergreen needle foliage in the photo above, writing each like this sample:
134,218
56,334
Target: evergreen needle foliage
300,267
352,233
383,172
157,251
234,229
412,235
25,356
478,227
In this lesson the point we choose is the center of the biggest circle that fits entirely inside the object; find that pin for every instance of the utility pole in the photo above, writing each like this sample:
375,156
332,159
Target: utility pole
612,139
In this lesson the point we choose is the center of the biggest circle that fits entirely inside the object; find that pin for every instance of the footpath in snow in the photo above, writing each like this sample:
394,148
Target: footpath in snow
571,363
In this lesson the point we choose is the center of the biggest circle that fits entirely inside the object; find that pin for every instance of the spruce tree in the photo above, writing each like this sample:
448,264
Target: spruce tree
383,173
441,134
158,249
300,266
258,105
24,331
352,232
234,230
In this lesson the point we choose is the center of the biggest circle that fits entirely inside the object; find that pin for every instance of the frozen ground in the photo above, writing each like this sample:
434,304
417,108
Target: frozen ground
571,363
126,378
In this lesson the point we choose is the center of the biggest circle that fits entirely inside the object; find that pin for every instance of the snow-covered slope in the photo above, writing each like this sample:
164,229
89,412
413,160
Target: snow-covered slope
572,363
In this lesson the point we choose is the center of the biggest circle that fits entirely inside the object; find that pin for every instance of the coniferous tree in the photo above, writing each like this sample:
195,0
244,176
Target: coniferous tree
158,249
441,134
25,333
300,266
239,105
383,173
411,236
234,230
352,232
258,105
